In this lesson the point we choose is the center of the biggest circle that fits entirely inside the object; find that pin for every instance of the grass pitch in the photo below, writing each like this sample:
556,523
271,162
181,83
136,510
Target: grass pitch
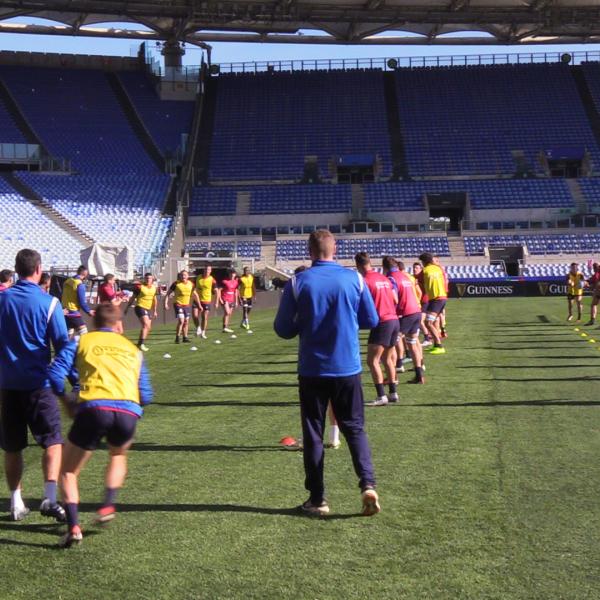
489,478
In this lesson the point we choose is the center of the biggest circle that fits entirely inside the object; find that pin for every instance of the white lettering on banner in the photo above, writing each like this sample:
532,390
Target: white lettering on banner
557,288
480,290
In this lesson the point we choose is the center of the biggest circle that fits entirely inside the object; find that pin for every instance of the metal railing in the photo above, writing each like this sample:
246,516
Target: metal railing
591,221
411,62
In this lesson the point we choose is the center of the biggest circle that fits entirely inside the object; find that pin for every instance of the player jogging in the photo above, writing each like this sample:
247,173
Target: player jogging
383,337
435,289
73,302
205,288
594,284
228,295
183,290
409,313
575,285
145,309
418,275
442,316
114,387
247,295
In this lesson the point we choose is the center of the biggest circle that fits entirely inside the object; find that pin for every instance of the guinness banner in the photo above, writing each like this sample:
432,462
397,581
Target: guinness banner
498,288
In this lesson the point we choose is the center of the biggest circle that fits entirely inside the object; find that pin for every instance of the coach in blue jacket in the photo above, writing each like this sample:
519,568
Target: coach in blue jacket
29,321
325,306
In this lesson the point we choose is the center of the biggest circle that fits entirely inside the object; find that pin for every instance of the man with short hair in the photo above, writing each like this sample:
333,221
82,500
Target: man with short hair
30,320
575,284
144,297
435,288
205,288
247,295
74,302
381,346
594,284
326,306
6,279
228,296
184,292
114,387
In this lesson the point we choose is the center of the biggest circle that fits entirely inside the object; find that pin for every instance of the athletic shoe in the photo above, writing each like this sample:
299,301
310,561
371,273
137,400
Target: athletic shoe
370,502
18,514
407,359
438,350
177,339
54,510
143,348
570,318
427,343
198,331
591,322
423,367
73,537
400,369
314,510
203,335
393,397
245,325
227,330
186,340
333,446
380,401
105,514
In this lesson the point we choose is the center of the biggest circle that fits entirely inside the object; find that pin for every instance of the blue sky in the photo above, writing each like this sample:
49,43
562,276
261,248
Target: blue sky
236,52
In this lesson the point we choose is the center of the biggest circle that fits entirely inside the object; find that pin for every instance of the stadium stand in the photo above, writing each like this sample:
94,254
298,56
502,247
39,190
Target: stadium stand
537,244
552,270
467,120
9,131
591,190
243,249
266,123
475,271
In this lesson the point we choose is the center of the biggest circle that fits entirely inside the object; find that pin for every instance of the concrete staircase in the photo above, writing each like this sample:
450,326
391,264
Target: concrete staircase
358,201
268,253
579,198
168,270
457,248
242,206
44,207
399,164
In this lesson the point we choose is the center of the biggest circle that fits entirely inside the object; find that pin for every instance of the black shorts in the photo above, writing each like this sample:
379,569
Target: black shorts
75,321
574,296
182,311
36,409
410,324
385,334
436,306
91,425
205,306
247,302
141,312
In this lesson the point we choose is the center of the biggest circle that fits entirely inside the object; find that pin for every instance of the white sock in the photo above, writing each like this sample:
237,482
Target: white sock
50,491
334,434
15,499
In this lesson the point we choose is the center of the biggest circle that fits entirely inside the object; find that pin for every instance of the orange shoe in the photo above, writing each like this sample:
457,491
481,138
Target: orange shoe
105,515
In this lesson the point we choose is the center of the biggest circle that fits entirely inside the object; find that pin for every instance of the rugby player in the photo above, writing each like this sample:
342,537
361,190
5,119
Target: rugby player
114,387
409,313
442,317
6,279
594,284
184,292
145,308
247,295
205,287
435,289
382,338
575,284
74,302
45,281
228,296
418,275
107,292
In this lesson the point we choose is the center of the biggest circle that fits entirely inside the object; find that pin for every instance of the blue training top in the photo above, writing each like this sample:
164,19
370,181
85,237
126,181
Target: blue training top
30,320
326,305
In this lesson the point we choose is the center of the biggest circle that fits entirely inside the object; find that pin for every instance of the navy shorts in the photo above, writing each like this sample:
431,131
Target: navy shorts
205,306
247,302
436,306
182,311
75,321
141,312
410,324
91,425
385,334
36,409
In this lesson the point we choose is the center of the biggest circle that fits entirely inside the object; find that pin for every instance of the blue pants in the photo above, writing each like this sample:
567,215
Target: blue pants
346,396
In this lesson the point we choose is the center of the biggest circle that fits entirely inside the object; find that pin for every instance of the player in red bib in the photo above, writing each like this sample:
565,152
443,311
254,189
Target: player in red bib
228,295
382,339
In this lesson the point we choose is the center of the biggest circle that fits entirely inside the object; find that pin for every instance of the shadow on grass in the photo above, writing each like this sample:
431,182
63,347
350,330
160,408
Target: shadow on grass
141,447
53,529
577,366
235,403
266,384
542,379
256,373
220,508
496,403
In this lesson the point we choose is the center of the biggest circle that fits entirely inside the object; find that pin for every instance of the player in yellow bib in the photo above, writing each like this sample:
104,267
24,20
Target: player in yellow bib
205,288
575,284
145,309
184,292
434,287
247,295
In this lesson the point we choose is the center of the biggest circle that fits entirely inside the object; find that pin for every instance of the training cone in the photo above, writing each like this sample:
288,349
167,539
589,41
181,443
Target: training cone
584,335
193,348
576,329
233,336
287,441
217,341
166,355
250,331
592,341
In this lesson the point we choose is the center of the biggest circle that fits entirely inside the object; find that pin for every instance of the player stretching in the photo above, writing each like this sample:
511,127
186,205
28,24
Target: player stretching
183,289
409,313
435,289
594,284
383,337
228,295
145,309
114,387
73,302
205,287
575,285
247,295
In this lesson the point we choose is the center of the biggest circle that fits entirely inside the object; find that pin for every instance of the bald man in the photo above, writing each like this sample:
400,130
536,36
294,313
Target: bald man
325,306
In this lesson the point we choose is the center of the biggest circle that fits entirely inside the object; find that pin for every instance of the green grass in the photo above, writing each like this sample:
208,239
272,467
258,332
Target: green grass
489,477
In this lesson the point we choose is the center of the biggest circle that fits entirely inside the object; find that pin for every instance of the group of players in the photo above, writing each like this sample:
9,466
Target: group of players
576,284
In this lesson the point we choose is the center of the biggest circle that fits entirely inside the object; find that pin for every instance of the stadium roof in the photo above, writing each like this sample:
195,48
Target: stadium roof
414,22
